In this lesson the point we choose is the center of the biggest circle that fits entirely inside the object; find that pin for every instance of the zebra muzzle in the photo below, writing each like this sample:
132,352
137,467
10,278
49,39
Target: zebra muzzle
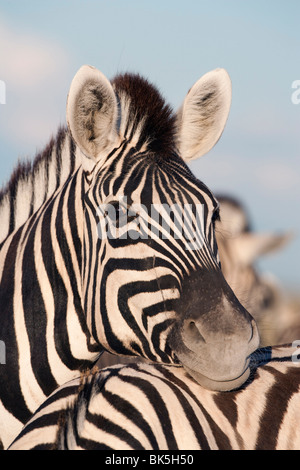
219,358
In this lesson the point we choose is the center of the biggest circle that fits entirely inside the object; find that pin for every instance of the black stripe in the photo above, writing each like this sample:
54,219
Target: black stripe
11,394
59,292
110,427
222,440
125,292
72,154
31,177
277,399
71,215
58,158
158,404
163,306
35,318
65,250
187,410
12,201
108,173
126,160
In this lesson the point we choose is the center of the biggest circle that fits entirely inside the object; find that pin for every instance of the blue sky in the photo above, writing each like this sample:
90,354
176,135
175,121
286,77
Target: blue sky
173,43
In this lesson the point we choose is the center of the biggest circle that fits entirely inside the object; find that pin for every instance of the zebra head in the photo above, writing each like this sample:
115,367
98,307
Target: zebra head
152,283
240,248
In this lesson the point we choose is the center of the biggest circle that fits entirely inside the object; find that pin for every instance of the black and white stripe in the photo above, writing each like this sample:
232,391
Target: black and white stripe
240,247
158,407
66,293
33,183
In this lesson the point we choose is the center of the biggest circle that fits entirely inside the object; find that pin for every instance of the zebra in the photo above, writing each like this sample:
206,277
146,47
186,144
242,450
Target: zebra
86,266
170,411
240,247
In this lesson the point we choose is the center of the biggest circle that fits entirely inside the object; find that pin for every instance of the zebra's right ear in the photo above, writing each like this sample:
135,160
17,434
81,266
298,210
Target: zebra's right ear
203,115
92,112
250,246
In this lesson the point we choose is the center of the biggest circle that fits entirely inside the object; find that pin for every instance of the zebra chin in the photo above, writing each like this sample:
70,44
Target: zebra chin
216,354
220,365
216,361
220,385
214,342
217,377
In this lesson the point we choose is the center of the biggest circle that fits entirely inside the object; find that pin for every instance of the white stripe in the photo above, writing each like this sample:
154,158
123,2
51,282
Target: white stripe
59,370
77,338
9,426
32,392
4,217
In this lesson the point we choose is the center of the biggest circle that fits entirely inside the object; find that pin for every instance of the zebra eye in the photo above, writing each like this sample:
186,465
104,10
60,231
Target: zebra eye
216,216
119,214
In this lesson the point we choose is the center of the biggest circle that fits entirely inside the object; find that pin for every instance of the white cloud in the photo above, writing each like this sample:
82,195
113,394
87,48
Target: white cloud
265,177
27,60
33,69
278,176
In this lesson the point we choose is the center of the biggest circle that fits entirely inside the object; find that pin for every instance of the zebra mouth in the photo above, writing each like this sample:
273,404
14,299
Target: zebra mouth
219,385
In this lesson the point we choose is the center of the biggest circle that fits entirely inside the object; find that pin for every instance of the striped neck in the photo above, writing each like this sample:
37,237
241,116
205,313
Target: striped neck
33,183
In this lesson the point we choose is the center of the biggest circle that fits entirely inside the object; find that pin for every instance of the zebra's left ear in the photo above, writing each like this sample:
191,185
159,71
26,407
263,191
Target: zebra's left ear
250,246
92,112
203,115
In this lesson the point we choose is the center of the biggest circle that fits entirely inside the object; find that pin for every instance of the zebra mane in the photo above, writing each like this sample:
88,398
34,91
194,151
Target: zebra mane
147,113
34,182
68,429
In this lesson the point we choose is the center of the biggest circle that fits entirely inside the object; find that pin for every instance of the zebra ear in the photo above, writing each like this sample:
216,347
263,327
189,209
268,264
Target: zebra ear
203,115
250,246
92,112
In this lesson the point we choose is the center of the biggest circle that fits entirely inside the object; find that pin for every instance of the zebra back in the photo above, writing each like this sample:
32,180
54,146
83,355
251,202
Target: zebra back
170,410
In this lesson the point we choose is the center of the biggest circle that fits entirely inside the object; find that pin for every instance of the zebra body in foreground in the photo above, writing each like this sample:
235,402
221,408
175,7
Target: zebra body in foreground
150,406
70,287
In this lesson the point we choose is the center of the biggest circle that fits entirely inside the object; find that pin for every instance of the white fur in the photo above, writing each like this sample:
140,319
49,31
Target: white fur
92,112
4,217
201,121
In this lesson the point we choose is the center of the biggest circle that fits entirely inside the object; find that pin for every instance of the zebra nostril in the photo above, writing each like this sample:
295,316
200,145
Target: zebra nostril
254,331
192,332
175,358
